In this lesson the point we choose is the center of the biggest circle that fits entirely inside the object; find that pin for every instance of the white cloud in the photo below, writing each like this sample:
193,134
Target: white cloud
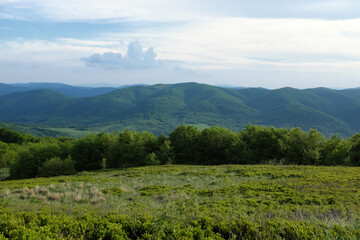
213,43
135,58
229,42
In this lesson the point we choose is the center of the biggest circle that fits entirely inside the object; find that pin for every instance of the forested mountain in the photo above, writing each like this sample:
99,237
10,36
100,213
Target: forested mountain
160,108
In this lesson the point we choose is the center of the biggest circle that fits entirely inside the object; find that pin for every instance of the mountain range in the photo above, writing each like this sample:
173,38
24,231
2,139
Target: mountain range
72,91
160,108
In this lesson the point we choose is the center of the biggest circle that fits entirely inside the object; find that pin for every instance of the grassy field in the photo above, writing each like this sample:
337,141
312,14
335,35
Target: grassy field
71,132
186,202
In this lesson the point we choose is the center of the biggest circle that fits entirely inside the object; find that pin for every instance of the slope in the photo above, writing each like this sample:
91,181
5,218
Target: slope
160,108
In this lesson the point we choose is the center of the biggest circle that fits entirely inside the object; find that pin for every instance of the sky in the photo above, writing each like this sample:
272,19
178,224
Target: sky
247,43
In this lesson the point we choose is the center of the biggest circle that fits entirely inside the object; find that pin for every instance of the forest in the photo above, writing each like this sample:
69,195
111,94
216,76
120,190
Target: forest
161,108
25,156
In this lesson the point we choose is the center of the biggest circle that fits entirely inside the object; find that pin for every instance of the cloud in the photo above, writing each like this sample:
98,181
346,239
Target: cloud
135,58
173,10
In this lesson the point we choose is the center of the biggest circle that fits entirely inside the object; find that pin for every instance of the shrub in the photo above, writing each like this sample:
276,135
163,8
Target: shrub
55,167
9,136
4,173
32,156
152,159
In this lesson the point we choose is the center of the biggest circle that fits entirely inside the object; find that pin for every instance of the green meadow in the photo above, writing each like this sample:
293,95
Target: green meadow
186,202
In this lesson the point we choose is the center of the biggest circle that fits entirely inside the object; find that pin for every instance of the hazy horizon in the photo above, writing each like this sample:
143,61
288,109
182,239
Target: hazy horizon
109,85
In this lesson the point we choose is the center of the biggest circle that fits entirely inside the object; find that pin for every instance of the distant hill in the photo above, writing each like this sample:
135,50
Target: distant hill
7,89
42,131
160,108
72,91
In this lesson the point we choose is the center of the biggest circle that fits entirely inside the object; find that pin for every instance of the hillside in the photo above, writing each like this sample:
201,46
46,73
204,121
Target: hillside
160,108
185,202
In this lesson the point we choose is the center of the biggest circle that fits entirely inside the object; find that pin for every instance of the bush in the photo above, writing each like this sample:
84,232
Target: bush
55,167
152,159
4,173
9,136
32,156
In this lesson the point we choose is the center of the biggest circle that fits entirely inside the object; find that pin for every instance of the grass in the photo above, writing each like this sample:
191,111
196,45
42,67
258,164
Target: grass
70,132
254,202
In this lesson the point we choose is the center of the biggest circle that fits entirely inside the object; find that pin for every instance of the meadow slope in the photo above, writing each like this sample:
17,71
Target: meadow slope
186,202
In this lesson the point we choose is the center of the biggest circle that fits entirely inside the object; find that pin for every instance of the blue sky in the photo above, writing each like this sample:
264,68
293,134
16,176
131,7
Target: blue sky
257,43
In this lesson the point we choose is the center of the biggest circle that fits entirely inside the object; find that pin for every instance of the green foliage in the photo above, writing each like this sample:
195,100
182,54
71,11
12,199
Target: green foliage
165,152
89,151
32,156
214,144
258,145
335,152
184,141
151,159
3,149
354,150
9,136
103,164
186,202
134,148
42,131
185,145
10,156
303,148
113,191
55,167
161,108
4,173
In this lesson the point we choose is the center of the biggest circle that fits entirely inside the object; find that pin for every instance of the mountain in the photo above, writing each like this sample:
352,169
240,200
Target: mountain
6,89
160,108
72,91
32,106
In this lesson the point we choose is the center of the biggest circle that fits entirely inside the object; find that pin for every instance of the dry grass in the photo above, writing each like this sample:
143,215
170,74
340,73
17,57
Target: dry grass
63,193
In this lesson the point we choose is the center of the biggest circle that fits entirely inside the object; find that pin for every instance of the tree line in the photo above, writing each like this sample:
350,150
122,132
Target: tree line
26,156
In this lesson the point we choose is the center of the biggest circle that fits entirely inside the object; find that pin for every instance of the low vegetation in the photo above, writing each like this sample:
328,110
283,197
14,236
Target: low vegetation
186,202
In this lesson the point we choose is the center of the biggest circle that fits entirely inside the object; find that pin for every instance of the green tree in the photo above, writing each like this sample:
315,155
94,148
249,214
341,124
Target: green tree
56,167
89,151
112,151
184,141
3,149
258,144
335,152
165,153
215,144
354,150
303,148
9,136
32,156
134,147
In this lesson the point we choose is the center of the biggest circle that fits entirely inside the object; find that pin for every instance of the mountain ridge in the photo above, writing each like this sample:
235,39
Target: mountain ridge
160,108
